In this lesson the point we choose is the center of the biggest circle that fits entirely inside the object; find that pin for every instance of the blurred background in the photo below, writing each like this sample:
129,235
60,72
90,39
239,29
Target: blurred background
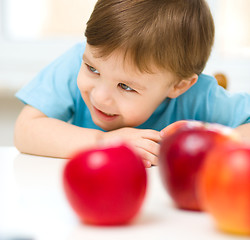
34,32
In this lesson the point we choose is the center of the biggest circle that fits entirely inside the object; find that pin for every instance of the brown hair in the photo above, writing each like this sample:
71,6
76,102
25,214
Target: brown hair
176,35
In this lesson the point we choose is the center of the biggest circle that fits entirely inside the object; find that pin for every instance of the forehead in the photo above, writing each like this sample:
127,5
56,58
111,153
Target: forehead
122,64
116,58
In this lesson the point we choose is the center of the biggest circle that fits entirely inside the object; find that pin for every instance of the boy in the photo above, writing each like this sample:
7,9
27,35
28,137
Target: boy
139,71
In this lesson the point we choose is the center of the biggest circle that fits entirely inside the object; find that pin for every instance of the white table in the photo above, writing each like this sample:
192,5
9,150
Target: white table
33,206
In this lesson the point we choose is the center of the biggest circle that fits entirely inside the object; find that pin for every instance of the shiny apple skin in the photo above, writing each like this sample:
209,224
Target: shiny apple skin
224,188
182,153
105,186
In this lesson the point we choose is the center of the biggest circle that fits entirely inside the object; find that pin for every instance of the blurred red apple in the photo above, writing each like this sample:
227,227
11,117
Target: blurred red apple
182,152
105,186
225,187
171,128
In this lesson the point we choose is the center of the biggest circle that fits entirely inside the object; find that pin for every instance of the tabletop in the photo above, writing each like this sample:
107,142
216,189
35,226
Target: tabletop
33,206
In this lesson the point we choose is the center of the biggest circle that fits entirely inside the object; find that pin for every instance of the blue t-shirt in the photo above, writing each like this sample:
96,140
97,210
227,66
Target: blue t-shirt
54,92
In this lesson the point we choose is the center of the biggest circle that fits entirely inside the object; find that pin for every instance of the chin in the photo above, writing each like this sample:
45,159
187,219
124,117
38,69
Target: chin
112,126
107,127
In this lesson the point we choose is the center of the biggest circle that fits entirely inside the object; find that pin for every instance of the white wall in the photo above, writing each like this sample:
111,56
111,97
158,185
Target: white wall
20,58
236,66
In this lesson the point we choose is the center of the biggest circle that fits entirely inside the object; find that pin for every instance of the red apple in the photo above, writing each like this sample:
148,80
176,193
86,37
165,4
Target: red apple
171,128
182,153
225,187
105,186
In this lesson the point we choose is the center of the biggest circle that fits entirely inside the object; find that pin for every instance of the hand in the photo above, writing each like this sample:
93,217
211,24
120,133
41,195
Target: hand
167,130
144,141
171,128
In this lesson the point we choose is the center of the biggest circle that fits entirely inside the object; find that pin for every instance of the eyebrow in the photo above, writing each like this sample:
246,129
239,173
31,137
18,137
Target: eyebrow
85,59
127,82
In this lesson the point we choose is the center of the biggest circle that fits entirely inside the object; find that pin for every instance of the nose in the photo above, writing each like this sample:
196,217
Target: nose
102,95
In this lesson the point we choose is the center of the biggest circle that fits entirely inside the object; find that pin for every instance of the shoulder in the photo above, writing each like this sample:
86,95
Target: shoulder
201,90
198,101
76,50
207,101
72,57
65,67
204,83
54,89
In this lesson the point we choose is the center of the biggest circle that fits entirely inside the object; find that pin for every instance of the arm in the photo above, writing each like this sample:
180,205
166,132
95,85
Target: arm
37,134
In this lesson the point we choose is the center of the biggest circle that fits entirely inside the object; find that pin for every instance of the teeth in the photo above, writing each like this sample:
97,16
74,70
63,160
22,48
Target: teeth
108,114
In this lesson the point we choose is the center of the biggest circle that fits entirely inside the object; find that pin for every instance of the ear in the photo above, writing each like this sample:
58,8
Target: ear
182,86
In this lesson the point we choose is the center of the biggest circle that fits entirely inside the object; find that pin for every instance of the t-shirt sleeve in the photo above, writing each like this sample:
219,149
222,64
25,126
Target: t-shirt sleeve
232,109
53,90
207,101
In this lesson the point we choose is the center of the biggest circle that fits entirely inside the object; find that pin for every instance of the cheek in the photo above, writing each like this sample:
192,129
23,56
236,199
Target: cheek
83,82
143,109
137,113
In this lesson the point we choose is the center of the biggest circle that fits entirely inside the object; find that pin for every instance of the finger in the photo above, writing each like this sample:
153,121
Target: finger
147,156
147,164
152,135
149,146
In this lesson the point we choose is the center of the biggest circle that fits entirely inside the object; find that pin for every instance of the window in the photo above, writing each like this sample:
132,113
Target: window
231,52
233,27
41,19
34,32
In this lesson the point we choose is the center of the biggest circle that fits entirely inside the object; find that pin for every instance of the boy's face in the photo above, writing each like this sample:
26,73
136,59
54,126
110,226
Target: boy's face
116,94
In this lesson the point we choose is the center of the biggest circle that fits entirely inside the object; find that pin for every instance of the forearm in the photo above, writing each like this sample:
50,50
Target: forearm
244,132
51,137
37,134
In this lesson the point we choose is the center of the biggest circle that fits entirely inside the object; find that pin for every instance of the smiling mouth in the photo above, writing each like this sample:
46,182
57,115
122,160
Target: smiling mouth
108,114
104,115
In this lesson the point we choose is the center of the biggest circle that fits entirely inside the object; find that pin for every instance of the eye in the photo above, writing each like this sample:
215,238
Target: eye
92,69
125,87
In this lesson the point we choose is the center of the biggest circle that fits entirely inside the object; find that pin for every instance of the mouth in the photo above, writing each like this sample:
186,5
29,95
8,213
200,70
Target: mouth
105,116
